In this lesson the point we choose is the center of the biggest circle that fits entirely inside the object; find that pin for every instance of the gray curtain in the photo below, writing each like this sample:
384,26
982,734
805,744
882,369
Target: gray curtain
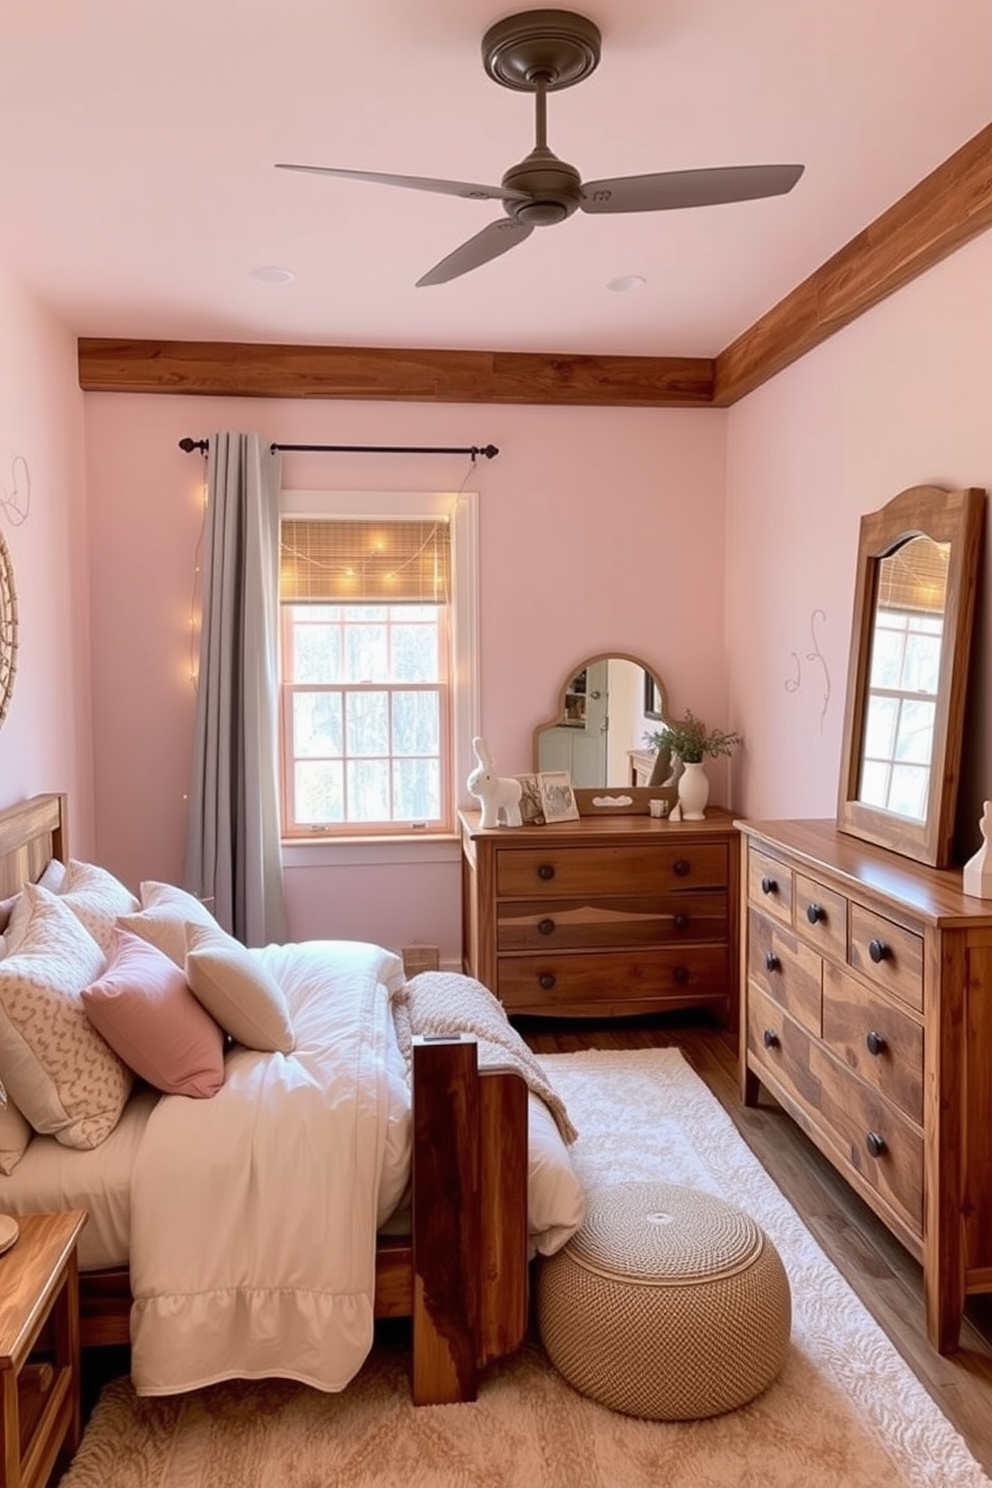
232,837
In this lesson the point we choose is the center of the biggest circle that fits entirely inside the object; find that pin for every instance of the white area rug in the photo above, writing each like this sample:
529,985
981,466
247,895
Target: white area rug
846,1412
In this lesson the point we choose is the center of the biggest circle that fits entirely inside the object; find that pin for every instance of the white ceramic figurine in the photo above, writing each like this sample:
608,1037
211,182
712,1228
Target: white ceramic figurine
500,796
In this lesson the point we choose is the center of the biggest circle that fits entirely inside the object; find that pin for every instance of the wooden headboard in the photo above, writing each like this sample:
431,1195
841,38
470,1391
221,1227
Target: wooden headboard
31,833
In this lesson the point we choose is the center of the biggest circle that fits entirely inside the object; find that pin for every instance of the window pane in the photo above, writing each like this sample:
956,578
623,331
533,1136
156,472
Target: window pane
874,788
416,723
319,792
368,723
317,724
316,653
922,665
366,653
417,789
914,739
415,653
886,658
908,791
880,728
368,791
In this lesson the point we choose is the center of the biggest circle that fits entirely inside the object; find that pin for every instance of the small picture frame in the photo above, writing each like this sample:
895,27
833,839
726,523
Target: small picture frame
557,796
531,805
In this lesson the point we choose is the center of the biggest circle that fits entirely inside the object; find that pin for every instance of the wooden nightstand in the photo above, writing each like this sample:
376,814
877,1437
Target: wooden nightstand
39,1348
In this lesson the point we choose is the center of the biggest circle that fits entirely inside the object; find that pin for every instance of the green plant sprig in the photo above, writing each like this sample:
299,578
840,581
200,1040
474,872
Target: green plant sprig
691,740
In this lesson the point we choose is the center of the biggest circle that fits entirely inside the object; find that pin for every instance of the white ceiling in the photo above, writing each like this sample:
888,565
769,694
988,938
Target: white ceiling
138,140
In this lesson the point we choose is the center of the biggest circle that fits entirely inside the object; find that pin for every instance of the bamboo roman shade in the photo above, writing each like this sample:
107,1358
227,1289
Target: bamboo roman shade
334,561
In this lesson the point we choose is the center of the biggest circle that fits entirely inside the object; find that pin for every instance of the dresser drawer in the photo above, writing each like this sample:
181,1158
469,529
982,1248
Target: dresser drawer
786,970
875,1039
566,871
599,923
778,1047
611,979
769,884
856,1119
888,955
819,917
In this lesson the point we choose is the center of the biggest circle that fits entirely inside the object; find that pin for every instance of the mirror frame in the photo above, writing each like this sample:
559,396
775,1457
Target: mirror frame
651,675
945,516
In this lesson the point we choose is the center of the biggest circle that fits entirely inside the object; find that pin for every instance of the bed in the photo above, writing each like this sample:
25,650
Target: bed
220,1239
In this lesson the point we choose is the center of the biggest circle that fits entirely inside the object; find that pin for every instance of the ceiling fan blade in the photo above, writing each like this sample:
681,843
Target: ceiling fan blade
669,190
470,189
493,240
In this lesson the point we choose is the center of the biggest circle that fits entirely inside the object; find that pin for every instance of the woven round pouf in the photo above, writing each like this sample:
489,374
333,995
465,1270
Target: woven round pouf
668,1303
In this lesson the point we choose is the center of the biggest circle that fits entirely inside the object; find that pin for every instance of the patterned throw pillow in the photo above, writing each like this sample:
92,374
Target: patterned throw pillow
62,1074
96,898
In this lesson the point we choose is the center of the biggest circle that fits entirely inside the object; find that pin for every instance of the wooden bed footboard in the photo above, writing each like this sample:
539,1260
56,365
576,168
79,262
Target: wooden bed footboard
461,1276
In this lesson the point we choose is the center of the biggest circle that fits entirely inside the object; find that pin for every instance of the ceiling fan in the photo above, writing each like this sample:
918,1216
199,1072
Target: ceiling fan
540,51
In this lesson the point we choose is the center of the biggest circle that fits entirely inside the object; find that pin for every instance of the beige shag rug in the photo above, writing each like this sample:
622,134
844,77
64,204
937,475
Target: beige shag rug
846,1412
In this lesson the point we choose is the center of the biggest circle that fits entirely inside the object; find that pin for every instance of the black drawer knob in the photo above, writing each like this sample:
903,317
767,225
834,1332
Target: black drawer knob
682,975
875,1042
769,885
879,951
815,913
546,871
546,927
547,980
875,1144
772,962
681,922
770,1038
681,867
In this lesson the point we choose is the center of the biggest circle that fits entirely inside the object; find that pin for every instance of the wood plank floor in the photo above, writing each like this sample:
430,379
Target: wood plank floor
887,1280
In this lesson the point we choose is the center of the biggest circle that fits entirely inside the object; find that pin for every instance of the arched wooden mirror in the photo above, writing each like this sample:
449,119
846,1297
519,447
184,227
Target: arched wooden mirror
918,561
606,705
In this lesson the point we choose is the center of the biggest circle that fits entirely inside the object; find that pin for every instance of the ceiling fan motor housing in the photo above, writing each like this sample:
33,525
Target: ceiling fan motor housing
554,188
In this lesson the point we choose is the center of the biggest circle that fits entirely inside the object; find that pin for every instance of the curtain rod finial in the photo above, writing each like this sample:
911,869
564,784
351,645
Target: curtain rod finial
188,445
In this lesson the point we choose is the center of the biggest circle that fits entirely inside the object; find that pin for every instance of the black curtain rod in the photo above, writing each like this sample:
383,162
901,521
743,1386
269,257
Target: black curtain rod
488,450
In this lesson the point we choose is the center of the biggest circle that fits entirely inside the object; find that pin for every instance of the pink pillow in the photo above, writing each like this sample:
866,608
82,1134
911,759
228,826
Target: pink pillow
144,1009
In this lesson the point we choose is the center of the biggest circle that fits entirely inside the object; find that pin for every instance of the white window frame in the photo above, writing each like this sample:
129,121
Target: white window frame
462,511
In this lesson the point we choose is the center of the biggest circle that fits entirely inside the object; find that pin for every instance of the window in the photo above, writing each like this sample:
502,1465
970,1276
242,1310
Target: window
373,646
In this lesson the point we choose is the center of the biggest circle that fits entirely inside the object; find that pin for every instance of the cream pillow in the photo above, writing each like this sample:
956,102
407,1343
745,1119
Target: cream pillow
15,1134
237,991
163,920
62,1074
96,898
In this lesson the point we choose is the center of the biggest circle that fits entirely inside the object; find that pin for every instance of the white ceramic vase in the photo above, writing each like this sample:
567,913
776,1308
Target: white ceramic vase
694,791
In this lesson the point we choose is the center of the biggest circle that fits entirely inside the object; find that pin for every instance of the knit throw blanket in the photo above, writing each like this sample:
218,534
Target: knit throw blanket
446,1002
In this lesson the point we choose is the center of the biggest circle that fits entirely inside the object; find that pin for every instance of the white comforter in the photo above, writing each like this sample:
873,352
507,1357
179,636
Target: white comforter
254,1214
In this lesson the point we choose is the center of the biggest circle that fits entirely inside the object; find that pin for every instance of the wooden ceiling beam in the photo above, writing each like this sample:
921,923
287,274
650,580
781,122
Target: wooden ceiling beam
945,210
249,370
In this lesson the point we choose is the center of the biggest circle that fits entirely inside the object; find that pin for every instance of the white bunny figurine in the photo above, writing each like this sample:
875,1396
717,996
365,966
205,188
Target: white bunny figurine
500,796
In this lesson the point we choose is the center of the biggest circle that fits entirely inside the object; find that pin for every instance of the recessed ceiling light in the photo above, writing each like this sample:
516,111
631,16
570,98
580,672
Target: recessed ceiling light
626,283
268,274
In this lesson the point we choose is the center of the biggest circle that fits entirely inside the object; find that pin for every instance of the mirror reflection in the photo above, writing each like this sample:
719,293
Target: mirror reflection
606,707
904,672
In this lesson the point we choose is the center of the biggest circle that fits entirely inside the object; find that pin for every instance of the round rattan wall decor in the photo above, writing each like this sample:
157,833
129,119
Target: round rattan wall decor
8,628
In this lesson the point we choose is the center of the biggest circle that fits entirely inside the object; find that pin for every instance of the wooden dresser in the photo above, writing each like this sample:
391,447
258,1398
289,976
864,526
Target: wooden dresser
604,916
867,1013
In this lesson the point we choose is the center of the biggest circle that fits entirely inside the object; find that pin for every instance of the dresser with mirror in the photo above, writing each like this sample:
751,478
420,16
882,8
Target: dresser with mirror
866,971
618,912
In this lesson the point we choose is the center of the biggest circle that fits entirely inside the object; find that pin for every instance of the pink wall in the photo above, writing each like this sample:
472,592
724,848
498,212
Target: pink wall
901,397
45,740
600,529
